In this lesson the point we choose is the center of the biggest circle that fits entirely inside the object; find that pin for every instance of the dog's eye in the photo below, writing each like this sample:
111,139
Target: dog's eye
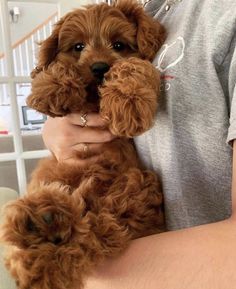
79,47
118,46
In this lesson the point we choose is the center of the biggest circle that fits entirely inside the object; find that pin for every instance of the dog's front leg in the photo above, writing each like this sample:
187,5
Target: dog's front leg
57,90
129,96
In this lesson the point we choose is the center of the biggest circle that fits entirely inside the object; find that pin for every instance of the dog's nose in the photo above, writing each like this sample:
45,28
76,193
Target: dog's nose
99,69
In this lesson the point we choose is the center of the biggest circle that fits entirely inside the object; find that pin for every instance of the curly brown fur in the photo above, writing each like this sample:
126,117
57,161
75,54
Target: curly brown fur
137,102
74,216
100,27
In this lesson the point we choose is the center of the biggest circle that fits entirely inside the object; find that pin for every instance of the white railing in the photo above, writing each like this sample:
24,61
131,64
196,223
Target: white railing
24,51
24,54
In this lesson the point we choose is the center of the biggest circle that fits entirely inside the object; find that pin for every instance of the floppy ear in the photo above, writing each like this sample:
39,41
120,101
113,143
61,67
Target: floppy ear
150,33
48,49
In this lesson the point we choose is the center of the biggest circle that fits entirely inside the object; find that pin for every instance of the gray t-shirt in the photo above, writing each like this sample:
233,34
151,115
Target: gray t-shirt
188,145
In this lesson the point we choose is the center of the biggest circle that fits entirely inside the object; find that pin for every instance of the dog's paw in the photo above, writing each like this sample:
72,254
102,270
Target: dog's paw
48,215
129,96
57,91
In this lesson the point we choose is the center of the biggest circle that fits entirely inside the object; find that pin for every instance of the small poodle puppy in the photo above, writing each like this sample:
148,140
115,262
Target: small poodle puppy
98,59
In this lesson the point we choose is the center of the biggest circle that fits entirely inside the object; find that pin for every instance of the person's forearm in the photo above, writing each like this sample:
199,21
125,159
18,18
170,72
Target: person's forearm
234,182
201,257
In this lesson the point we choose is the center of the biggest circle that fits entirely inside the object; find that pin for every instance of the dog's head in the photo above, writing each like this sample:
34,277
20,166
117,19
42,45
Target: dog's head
102,34
93,38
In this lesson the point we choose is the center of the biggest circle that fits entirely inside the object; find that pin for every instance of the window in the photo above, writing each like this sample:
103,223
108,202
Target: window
23,25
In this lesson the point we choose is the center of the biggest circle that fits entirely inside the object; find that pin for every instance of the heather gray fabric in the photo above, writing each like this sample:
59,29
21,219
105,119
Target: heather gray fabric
189,143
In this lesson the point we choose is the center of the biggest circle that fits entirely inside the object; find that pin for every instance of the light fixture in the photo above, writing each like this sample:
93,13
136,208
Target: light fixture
14,13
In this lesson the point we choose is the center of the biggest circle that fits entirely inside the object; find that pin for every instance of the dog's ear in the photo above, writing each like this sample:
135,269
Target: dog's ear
150,33
48,49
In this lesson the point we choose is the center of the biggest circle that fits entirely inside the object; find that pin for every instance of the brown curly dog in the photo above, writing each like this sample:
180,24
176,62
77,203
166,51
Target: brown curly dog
97,59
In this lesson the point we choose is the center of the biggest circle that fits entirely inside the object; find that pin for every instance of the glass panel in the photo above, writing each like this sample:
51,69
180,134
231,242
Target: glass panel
33,142
8,175
2,63
6,139
30,23
6,143
30,165
31,121
2,55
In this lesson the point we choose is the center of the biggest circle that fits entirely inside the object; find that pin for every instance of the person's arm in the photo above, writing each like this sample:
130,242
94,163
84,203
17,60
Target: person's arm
200,257
234,183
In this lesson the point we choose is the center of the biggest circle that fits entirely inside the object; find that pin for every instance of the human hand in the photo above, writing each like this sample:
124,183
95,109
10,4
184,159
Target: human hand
66,136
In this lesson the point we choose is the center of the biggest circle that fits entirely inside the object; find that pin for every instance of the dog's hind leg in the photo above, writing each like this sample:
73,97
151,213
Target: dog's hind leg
48,267
136,201
47,215
48,232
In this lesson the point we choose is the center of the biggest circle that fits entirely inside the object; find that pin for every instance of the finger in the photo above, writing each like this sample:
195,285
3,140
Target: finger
88,149
92,119
79,151
78,135
48,131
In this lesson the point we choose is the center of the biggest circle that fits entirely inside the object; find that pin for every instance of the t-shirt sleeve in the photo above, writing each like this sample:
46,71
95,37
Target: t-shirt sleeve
232,121
232,94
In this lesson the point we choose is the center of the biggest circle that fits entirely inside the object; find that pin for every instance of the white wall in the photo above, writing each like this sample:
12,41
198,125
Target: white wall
68,5
31,15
